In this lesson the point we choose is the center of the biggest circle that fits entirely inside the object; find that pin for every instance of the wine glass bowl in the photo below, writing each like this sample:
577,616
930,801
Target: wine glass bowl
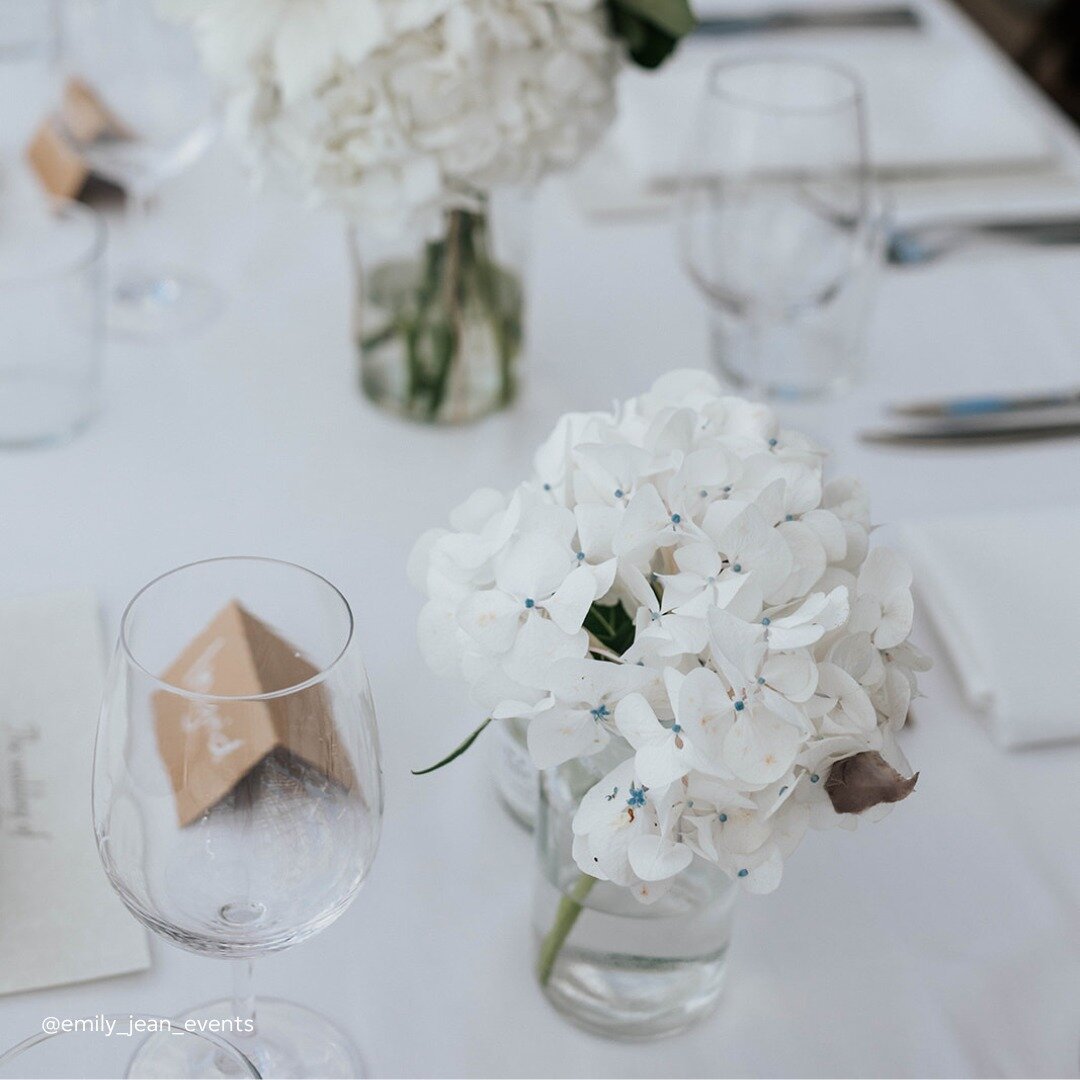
237,791
160,117
777,217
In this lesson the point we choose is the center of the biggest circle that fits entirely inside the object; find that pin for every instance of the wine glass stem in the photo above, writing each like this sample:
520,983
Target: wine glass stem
244,995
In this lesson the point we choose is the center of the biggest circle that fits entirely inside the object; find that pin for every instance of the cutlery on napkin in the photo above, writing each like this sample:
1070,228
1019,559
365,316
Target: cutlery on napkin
818,18
978,428
1003,592
986,403
918,244
61,921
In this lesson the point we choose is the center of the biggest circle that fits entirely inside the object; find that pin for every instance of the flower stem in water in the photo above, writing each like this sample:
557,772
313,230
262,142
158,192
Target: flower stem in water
569,909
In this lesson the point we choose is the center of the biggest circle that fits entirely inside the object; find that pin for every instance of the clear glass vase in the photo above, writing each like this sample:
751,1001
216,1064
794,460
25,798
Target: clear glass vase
516,777
607,962
438,323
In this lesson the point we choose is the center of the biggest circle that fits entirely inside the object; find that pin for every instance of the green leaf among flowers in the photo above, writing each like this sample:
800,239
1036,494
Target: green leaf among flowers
651,28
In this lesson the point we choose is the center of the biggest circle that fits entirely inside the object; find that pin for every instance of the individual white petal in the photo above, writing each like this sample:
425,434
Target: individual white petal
637,723
760,747
561,735
656,858
491,618
897,614
884,572
539,646
644,523
477,510
572,600
533,567
596,525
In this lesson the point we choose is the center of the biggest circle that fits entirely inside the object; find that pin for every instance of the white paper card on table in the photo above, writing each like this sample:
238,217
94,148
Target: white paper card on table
60,921
1004,594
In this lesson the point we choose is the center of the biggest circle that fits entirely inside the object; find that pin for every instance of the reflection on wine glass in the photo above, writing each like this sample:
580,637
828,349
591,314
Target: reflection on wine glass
163,116
237,787
778,224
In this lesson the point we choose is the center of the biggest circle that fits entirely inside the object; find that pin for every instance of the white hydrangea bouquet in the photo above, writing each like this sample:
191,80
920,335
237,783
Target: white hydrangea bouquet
405,114
679,579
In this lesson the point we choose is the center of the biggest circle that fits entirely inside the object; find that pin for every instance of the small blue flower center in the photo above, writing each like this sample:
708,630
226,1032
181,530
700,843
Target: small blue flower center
599,712
744,872
580,556
737,568
723,818
727,488
814,778
637,795
676,729
740,705
761,680
676,518
789,517
618,493
772,442
703,493
547,487
530,602
766,621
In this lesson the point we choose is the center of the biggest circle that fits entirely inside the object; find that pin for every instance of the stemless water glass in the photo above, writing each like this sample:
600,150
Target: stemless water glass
147,72
52,315
778,223
237,787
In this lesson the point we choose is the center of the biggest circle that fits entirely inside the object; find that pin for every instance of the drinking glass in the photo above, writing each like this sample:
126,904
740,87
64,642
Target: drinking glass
778,224
237,794
148,74
100,1046
52,314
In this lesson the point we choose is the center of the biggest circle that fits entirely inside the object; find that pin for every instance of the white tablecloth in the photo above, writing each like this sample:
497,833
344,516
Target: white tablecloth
944,941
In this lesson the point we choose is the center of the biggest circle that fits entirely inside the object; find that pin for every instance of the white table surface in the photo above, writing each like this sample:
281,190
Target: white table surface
944,941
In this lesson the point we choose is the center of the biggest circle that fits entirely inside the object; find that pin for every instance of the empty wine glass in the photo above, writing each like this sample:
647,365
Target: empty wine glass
778,223
237,792
162,117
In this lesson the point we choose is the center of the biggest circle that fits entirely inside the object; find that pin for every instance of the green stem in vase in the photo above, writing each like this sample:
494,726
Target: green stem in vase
570,907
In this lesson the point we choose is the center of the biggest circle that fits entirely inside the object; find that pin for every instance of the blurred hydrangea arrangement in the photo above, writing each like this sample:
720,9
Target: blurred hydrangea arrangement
680,580
405,115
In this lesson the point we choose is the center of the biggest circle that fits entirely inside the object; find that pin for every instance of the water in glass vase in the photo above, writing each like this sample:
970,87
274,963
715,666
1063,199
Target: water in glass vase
439,331
633,971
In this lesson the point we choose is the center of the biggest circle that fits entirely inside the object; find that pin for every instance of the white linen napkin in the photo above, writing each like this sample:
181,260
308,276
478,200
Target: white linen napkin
1004,594
60,921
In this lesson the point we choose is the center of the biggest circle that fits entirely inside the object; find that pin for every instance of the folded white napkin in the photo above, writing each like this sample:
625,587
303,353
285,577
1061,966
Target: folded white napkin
1004,594
60,921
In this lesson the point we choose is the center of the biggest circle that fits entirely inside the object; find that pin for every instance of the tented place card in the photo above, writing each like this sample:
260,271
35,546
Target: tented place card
62,170
212,733
60,922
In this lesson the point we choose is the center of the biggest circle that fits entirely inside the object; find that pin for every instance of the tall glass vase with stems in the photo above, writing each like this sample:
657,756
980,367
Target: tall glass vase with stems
778,224
237,794
439,320
147,73
606,961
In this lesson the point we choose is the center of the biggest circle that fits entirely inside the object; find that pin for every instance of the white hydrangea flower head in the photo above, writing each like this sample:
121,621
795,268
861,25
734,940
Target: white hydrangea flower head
396,110
679,582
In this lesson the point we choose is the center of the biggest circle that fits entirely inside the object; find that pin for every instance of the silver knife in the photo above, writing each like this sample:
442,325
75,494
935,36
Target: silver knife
925,243
838,18
985,404
995,428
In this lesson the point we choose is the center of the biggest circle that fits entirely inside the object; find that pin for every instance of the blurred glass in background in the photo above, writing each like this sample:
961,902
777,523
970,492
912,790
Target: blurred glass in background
779,225
52,307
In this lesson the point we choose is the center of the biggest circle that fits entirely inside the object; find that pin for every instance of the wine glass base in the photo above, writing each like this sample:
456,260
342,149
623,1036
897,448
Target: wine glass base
156,304
290,1041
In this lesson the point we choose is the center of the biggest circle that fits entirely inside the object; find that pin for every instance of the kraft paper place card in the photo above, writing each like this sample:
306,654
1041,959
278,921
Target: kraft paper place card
209,746
60,921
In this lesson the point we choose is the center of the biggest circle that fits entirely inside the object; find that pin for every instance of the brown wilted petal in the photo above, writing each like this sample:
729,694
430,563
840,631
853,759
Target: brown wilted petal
857,783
